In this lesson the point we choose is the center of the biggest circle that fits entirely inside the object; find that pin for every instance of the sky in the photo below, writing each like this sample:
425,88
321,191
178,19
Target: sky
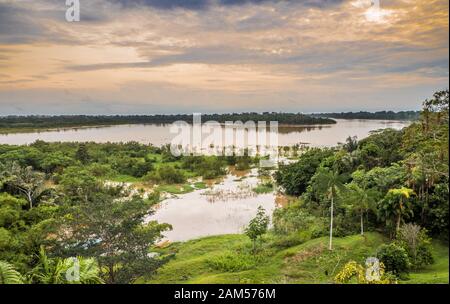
215,56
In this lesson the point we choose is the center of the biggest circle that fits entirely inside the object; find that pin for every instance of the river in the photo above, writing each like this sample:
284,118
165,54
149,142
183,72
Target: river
227,205
316,136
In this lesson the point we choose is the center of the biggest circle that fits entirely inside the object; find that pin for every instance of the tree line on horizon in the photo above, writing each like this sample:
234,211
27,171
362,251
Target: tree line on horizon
387,115
44,121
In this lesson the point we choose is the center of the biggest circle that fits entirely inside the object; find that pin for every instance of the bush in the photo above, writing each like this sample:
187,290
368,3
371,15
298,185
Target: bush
292,239
295,177
166,174
263,188
257,226
207,167
291,218
232,262
243,163
395,258
356,273
417,244
137,167
100,170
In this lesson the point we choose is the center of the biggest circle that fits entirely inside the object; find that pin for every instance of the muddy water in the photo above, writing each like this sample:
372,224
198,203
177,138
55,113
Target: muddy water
224,208
317,136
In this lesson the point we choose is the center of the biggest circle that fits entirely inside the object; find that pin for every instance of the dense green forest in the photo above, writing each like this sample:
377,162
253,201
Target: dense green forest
24,123
384,196
388,115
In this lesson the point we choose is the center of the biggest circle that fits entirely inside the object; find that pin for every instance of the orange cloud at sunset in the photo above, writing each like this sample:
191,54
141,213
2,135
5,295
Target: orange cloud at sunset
152,57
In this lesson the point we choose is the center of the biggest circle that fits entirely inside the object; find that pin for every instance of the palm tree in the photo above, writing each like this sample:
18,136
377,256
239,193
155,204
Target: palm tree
396,203
8,275
332,183
361,200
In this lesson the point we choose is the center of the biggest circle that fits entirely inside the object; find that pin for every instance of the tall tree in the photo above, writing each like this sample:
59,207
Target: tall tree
331,183
108,223
82,153
25,180
361,200
396,204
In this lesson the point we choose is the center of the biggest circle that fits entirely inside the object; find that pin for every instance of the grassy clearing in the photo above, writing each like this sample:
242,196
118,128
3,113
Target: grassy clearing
226,259
200,185
263,188
435,273
176,189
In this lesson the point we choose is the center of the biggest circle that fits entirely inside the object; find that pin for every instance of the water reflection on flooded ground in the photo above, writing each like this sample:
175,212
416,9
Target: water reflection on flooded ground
224,208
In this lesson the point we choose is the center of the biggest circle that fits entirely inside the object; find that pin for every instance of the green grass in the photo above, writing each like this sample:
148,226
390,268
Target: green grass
200,185
435,273
225,259
263,188
176,189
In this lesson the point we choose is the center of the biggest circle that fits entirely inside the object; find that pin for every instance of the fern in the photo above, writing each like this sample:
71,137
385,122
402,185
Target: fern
8,275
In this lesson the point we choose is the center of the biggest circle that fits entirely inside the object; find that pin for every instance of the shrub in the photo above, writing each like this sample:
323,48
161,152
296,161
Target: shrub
394,257
243,163
232,262
293,218
137,167
292,239
353,272
207,167
263,188
257,226
417,244
166,174
100,170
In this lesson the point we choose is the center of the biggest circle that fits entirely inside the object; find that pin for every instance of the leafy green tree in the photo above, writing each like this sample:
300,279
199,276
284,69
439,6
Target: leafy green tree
380,149
361,200
257,226
26,181
415,240
108,223
295,178
82,154
351,144
397,204
23,230
166,174
395,258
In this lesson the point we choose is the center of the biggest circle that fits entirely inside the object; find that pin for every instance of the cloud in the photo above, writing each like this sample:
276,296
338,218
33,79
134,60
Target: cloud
16,26
255,53
204,4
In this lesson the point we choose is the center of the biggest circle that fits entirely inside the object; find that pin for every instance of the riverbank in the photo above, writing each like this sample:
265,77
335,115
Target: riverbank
223,260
